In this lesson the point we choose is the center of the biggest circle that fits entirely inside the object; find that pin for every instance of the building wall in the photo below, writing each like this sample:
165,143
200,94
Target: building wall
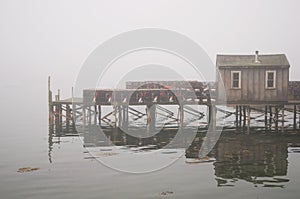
253,84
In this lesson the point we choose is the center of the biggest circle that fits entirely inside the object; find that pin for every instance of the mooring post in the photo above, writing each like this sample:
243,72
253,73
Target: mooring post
50,104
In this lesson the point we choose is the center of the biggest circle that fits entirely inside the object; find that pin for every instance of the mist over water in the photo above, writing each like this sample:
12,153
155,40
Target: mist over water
44,38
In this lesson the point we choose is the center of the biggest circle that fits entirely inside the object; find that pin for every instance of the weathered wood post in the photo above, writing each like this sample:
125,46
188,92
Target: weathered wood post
266,117
84,115
73,108
59,110
271,117
249,119
282,117
99,114
276,118
236,115
50,104
181,115
95,114
125,117
90,114
68,117
245,117
120,118
240,111
213,117
295,116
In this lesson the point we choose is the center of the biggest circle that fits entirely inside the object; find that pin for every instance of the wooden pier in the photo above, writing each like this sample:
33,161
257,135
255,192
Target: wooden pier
257,89
66,114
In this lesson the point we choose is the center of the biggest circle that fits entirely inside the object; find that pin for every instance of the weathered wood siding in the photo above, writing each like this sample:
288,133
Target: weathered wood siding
253,88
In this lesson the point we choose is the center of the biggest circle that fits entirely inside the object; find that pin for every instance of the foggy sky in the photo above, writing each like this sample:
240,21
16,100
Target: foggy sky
41,38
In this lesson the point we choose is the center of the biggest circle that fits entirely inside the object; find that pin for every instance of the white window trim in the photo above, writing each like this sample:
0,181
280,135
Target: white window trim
266,79
231,79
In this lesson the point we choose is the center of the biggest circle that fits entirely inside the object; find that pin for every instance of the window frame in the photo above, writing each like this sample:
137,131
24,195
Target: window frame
239,80
267,80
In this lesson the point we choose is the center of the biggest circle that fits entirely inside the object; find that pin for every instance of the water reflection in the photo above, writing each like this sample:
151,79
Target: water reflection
257,158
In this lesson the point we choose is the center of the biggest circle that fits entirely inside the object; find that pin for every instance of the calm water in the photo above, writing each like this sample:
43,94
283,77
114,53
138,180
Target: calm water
240,166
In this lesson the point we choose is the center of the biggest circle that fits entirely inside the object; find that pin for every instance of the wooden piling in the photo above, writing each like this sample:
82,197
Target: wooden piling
244,114
270,117
249,118
240,114
50,104
73,107
181,114
68,117
276,118
266,117
282,117
99,114
236,115
83,116
295,116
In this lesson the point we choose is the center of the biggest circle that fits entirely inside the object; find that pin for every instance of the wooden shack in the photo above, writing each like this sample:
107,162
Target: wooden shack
253,79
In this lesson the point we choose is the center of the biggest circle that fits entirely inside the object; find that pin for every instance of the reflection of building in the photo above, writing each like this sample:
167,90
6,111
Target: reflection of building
250,157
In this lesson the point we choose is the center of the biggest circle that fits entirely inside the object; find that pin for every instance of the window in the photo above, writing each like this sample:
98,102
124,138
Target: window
270,79
235,79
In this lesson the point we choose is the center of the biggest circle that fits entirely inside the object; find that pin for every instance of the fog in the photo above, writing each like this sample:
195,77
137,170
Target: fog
41,38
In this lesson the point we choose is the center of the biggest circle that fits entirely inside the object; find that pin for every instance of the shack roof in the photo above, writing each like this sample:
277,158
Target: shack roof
249,60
